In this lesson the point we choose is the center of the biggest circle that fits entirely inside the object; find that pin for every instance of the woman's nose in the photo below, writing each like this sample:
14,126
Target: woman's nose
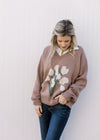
63,44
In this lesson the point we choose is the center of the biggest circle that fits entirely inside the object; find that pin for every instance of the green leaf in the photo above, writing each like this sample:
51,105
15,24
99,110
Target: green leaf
49,87
60,71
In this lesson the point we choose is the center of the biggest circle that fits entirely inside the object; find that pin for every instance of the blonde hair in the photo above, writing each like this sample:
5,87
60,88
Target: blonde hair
62,28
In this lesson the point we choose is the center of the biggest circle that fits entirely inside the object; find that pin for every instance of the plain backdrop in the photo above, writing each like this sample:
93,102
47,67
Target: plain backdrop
25,29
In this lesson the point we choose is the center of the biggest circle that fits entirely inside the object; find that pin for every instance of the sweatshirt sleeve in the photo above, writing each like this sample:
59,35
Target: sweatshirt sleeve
80,82
38,81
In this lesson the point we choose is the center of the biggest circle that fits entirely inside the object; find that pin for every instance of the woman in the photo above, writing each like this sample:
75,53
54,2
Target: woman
61,76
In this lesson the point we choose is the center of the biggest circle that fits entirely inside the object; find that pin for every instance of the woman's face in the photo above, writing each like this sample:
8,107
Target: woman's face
63,42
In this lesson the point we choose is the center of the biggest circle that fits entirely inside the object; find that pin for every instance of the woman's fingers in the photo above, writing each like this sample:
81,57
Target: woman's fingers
57,97
41,109
61,99
38,109
38,113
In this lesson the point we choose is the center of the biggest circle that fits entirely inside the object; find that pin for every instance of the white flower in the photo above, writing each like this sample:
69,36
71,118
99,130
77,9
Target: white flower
47,78
64,80
51,72
52,82
64,70
62,88
56,68
58,77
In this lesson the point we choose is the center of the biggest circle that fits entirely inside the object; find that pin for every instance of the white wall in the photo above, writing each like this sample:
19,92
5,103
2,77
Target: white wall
25,29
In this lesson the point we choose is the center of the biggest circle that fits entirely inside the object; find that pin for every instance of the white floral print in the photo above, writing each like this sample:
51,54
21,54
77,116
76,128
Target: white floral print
64,70
52,82
62,88
64,80
51,72
47,78
56,77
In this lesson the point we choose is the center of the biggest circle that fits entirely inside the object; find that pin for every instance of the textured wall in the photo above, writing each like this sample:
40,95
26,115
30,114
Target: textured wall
25,29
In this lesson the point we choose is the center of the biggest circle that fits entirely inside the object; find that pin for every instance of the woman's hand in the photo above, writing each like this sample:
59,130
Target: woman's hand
38,109
62,99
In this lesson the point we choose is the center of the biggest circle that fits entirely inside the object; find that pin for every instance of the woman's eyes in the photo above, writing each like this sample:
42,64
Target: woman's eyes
65,41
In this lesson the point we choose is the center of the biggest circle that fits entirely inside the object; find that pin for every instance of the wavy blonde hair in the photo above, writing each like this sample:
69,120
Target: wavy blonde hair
62,28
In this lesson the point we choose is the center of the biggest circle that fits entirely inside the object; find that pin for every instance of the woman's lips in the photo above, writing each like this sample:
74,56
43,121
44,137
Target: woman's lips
63,47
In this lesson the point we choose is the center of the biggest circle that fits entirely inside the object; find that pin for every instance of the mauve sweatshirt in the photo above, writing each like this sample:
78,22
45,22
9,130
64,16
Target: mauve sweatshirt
67,76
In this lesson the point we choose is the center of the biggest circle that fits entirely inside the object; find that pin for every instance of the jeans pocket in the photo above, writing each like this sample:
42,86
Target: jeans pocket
62,110
64,106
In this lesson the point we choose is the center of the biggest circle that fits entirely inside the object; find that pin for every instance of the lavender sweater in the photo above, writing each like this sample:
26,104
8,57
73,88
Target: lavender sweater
67,76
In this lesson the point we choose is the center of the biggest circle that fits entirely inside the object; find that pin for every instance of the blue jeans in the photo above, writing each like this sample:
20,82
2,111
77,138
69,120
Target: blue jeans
53,121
